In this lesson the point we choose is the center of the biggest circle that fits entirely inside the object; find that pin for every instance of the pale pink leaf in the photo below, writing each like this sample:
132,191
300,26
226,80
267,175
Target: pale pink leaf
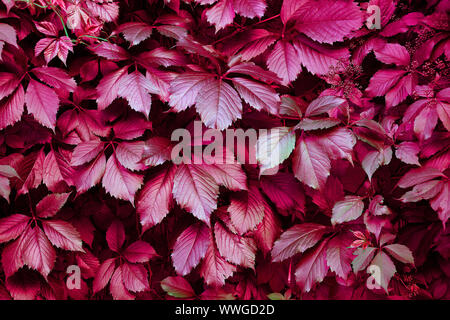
129,154
117,287
310,163
386,269
120,182
323,105
190,248
218,104
55,77
247,210
339,257
408,152
135,32
348,209
136,88
284,61
108,87
196,191
86,151
110,51
89,175
259,96
250,8
215,269
185,88
221,14
400,252
103,274
235,249
393,53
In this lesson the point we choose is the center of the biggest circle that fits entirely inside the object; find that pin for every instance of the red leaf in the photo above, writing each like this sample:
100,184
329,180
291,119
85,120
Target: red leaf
115,236
177,287
215,269
139,252
11,108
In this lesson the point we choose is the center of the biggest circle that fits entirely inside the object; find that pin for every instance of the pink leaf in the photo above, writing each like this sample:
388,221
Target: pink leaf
408,152
383,80
185,88
109,86
323,105
129,154
136,88
386,269
8,83
110,51
190,248
103,275
89,175
51,204
119,182
56,78
63,235
237,250
260,97
310,163
43,103
215,269
247,210
196,191
312,267
177,287
135,277
218,104
56,171
38,252
157,150
268,230
117,287
11,108
297,239
13,226
348,209
250,8
155,198
339,257
8,34
364,257
135,32
221,14
417,176
400,252
115,236
284,61
393,53
328,21
85,152
441,203
139,252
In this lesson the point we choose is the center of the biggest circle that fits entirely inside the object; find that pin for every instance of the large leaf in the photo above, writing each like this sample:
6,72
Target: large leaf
196,191
155,198
274,146
348,209
310,163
